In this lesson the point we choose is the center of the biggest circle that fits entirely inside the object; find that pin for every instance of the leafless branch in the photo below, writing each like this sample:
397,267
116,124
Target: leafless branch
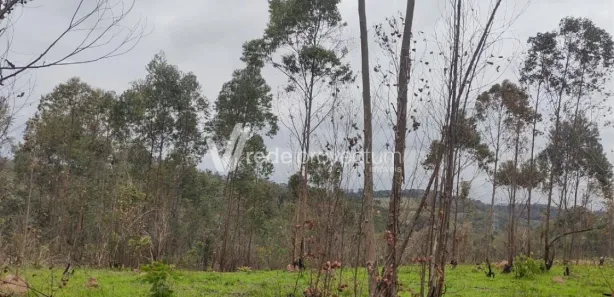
107,19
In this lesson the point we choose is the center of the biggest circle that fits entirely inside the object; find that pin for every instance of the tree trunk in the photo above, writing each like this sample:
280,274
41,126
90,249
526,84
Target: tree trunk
431,247
369,225
301,207
454,232
491,214
512,243
530,190
437,281
388,286
555,143
26,219
457,87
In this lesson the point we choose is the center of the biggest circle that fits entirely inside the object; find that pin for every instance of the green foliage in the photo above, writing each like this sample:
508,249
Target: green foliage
245,99
304,18
5,121
157,274
323,172
245,269
469,140
526,267
302,31
581,139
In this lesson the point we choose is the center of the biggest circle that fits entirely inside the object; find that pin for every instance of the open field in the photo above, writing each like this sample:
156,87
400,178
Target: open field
462,281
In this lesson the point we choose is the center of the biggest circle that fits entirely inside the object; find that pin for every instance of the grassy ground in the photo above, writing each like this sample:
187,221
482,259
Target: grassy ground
462,281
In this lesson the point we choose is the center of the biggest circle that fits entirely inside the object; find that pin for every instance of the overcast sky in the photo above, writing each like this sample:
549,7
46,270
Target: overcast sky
205,37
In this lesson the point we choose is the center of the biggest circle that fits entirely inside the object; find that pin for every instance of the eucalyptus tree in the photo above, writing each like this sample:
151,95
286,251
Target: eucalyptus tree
470,150
162,113
589,160
572,65
491,112
245,100
253,200
69,145
302,41
536,75
519,116
593,52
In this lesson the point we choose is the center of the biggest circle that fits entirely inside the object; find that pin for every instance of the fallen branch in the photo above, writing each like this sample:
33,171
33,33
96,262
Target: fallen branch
575,232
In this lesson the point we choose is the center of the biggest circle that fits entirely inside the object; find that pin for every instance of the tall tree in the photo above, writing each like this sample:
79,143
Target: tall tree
388,285
590,160
162,112
569,63
68,142
461,76
368,224
245,100
471,149
491,111
534,75
518,116
304,34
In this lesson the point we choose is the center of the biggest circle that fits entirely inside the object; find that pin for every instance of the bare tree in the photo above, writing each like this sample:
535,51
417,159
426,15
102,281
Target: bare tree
102,35
389,282
462,72
98,23
368,224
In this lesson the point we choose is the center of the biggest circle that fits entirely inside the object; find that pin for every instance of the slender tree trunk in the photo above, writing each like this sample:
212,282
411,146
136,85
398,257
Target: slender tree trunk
532,162
228,194
369,225
431,247
454,239
249,247
574,151
555,143
26,218
388,286
512,243
491,214
573,251
458,85
301,207
437,281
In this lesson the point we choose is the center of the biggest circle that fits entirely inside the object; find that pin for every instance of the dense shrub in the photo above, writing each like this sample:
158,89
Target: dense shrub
157,274
525,267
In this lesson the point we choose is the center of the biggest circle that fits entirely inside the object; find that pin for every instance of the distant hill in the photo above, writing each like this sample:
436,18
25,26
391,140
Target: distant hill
472,210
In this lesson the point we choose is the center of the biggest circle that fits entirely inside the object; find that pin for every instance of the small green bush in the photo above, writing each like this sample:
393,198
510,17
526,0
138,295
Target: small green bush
245,269
157,274
526,267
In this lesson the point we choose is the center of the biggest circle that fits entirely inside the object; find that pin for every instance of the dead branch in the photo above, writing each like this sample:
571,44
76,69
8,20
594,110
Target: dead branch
575,232
107,19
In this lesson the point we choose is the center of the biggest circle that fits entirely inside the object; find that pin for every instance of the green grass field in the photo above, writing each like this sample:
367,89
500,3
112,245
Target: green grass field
462,281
